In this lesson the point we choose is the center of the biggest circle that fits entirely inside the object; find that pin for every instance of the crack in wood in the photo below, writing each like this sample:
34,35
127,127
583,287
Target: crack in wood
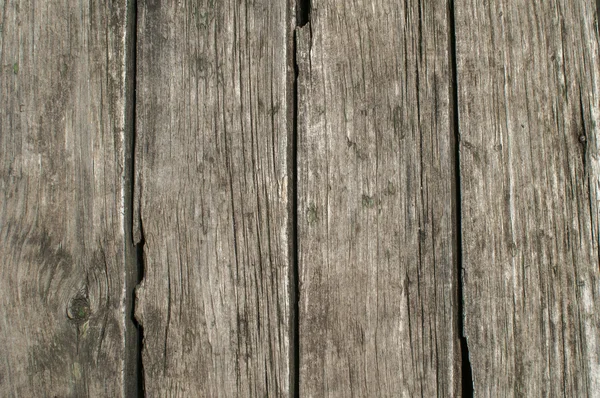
302,17
294,330
303,10
467,385
140,268
134,374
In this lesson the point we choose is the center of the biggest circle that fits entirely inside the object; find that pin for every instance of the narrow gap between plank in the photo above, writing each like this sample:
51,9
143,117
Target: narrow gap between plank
139,375
294,288
301,18
134,378
466,369
303,9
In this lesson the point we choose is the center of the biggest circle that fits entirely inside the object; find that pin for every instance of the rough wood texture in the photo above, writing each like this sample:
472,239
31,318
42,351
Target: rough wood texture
62,155
375,217
212,197
528,99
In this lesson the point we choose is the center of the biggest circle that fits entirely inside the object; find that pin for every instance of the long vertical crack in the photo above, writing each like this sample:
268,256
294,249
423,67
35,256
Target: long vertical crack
294,274
301,16
134,381
467,387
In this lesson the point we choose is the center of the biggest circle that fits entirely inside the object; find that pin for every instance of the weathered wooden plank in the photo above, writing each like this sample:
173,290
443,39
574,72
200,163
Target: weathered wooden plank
212,194
377,269
62,198
529,92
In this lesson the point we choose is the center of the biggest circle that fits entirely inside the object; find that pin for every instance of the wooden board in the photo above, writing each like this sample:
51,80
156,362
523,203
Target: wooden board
62,175
212,197
529,92
377,259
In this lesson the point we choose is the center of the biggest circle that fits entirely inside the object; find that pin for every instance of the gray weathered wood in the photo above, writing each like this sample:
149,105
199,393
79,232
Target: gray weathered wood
377,270
529,92
212,196
62,156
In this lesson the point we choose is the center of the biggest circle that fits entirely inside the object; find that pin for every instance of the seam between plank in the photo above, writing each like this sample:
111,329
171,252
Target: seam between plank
466,371
134,381
299,16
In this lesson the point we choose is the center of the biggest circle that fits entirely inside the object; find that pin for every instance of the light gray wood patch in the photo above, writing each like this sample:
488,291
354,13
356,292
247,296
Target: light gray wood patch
212,197
377,273
529,91
62,159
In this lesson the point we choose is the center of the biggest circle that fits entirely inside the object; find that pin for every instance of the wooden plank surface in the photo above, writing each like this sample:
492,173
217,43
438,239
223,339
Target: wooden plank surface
377,259
529,91
62,236
376,189
212,197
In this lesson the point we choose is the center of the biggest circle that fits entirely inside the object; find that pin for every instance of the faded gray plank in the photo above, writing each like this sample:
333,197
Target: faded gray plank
212,194
62,156
529,94
377,270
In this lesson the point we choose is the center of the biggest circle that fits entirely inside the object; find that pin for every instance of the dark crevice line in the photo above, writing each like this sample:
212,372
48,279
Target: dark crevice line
295,324
301,18
303,10
134,380
583,133
139,250
467,388
598,15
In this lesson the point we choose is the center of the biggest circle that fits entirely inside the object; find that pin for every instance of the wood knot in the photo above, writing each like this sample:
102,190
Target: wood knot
311,214
368,201
79,309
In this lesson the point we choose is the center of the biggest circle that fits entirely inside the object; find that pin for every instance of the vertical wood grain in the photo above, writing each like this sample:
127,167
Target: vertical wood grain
212,197
377,271
62,198
528,113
